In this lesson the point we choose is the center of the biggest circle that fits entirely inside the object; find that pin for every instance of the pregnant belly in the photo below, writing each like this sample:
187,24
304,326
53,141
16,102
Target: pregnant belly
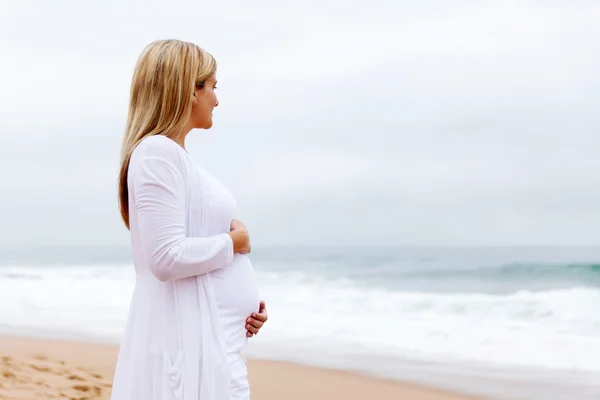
236,292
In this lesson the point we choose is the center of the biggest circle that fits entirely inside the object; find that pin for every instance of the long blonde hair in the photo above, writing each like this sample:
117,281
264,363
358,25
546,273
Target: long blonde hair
160,101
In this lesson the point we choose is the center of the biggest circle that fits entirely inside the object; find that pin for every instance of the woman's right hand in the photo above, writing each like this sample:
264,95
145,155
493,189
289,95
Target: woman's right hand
241,240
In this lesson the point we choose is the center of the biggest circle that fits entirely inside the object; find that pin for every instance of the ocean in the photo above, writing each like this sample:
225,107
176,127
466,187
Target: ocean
510,323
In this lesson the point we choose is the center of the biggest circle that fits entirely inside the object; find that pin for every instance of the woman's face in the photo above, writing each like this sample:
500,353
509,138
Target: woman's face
205,100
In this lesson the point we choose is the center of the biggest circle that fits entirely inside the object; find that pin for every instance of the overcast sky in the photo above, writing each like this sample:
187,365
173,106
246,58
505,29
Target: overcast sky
341,122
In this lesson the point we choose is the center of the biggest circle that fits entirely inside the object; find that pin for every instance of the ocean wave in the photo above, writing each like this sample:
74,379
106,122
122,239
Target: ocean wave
560,306
556,328
515,270
20,275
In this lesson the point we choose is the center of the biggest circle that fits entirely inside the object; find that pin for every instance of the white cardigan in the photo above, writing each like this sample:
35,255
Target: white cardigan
173,346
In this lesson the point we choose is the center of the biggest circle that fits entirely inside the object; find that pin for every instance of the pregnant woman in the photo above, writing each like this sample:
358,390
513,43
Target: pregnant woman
195,288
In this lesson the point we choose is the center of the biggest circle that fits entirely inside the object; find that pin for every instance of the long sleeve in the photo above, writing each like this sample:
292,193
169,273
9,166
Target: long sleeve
159,193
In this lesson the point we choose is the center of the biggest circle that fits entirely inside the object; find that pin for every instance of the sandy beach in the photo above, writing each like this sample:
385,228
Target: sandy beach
34,368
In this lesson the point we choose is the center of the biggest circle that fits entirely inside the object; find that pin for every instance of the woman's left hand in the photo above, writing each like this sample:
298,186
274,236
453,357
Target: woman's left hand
256,320
236,224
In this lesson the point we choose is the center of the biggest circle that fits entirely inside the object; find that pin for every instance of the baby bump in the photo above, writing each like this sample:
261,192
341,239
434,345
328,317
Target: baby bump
236,290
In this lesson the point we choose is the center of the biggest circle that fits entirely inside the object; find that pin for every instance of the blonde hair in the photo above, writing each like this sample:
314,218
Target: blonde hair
160,101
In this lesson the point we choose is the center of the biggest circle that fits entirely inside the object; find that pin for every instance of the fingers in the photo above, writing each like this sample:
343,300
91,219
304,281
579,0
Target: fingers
262,313
251,322
236,224
262,316
256,320
252,328
246,250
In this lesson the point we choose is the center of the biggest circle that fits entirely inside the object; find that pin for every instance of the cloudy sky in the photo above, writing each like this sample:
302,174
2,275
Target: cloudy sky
341,122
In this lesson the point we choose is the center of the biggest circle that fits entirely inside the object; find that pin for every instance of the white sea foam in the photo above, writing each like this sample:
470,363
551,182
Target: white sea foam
557,329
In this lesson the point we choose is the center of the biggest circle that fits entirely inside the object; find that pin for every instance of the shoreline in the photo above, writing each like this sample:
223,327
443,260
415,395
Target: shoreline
76,369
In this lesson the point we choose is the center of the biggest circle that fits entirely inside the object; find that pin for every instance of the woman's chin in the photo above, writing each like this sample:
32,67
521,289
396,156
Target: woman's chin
206,125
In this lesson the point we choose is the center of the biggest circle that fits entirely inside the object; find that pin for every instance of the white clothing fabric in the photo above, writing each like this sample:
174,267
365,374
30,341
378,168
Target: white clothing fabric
192,295
240,388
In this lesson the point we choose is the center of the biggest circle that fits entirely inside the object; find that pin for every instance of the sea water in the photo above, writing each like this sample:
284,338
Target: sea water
518,323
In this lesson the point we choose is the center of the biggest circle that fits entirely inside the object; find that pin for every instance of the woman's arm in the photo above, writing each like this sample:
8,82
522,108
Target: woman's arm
159,193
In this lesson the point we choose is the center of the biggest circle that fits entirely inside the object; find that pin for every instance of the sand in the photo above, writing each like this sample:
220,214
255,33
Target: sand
32,369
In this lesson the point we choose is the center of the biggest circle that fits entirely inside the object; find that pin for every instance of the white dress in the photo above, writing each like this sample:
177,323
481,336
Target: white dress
192,295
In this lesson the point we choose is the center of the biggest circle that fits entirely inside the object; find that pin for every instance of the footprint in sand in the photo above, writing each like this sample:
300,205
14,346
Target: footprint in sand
44,378
41,382
40,368
9,375
74,377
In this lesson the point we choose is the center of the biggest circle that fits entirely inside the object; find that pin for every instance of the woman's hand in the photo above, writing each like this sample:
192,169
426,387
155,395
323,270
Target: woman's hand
256,320
240,237
236,224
